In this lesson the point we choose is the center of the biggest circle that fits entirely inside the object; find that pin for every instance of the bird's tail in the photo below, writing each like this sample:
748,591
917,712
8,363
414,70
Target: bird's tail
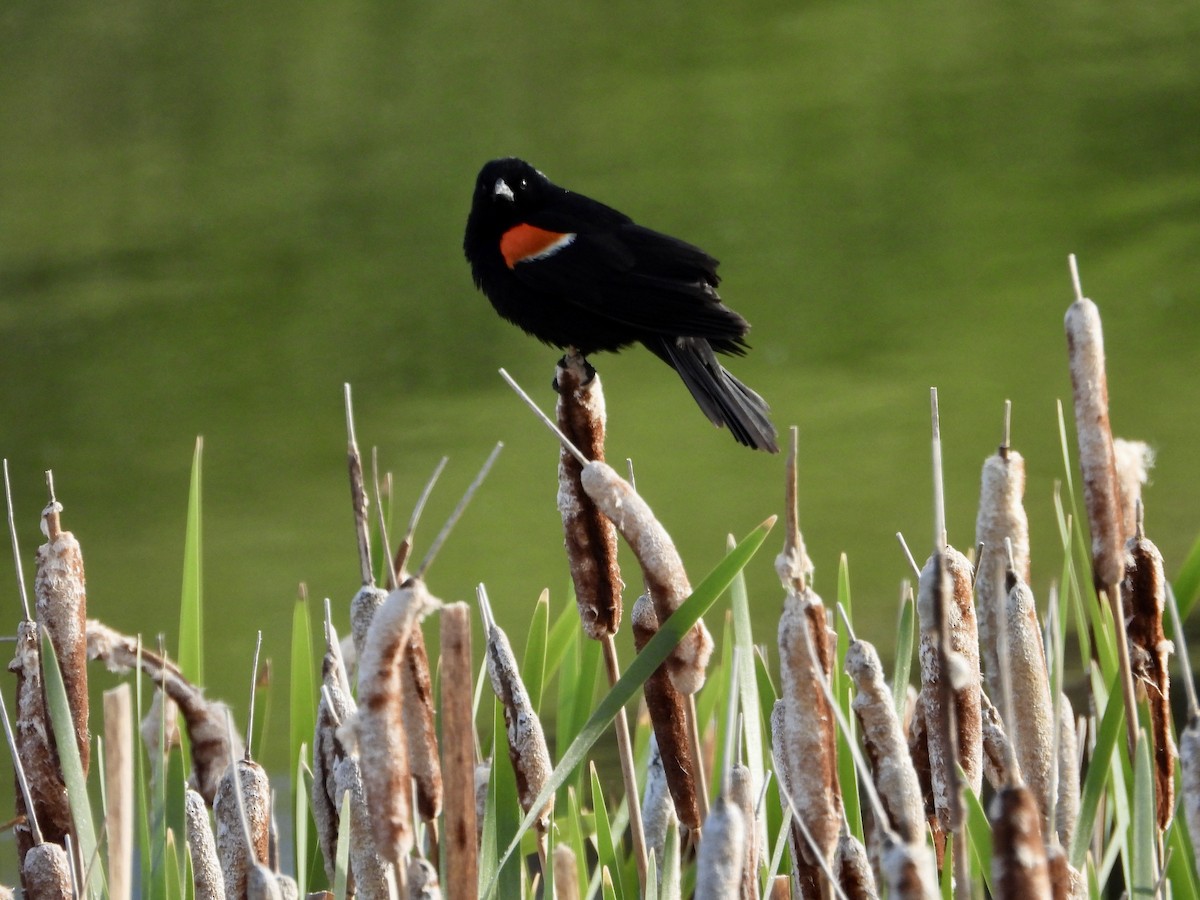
725,400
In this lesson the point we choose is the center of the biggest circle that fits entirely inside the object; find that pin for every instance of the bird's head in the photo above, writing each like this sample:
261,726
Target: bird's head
506,189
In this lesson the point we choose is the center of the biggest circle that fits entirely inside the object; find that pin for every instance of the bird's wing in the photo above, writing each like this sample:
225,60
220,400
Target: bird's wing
642,278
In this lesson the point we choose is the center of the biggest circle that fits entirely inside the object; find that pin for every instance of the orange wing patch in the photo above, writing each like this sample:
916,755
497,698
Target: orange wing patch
524,243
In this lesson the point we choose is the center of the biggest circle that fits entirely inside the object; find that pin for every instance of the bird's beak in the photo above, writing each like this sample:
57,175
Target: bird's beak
502,190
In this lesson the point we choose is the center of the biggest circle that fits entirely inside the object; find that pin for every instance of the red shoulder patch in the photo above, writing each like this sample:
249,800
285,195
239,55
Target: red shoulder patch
523,243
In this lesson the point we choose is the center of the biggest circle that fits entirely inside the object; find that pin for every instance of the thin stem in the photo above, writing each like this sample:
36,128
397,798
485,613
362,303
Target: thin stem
939,486
12,532
253,691
458,510
1074,266
628,769
908,555
574,451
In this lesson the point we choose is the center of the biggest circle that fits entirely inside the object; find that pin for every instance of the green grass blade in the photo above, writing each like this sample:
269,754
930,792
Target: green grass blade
1181,871
843,691
566,625
191,607
1144,826
606,884
341,862
1111,728
979,834
1187,582
902,668
609,856
72,768
302,705
533,667
300,814
671,889
743,640
643,665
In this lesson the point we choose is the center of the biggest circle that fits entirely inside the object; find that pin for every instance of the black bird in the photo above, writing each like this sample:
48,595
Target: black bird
575,273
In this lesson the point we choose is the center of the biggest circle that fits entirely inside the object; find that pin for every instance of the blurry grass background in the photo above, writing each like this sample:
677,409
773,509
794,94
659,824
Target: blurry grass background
213,215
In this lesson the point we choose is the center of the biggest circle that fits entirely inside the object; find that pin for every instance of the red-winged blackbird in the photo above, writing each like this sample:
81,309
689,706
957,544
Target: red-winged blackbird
576,273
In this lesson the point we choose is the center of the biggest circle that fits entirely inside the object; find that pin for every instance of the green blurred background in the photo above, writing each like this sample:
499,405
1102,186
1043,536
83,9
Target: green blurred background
213,215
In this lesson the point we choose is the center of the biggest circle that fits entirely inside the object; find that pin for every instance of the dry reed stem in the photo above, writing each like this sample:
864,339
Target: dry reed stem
742,793
118,775
1032,731
1019,868
207,879
459,843
668,714
336,707
1134,460
566,875
34,746
892,769
1143,595
853,869
907,871
662,569
1001,518
591,538
1066,807
205,720
46,873
997,750
527,750
383,750
367,867
951,700
62,612
1097,459
249,779
722,851
810,733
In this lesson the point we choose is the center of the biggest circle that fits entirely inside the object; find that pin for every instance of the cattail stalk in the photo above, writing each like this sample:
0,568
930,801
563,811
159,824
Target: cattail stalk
335,708
242,808
46,873
459,843
62,613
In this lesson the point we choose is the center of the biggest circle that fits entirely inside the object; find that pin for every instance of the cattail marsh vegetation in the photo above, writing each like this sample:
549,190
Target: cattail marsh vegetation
424,764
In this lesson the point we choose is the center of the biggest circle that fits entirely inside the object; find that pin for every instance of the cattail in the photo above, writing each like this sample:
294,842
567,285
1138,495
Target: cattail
119,755
480,780
719,861
668,715
62,614
423,881
46,873
566,875
658,810
666,581
591,539
243,811
1001,518
1143,595
1097,459
366,865
363,606
33,746
892,769
1134,460
1031,732
781,888
207,879
205,720
963,679
907,871
336,707
262,884
1019,869
918,751
460,845
1066,808
380,724
1066,882
526,741
853,869
419,729
997,750
810,733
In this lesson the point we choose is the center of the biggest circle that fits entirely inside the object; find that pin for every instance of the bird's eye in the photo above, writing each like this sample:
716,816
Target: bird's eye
524,183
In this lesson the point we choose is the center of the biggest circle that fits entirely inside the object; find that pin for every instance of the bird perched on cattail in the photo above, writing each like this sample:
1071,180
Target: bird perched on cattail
577,274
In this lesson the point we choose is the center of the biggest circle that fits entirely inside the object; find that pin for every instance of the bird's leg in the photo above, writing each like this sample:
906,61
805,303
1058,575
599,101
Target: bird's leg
572,355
